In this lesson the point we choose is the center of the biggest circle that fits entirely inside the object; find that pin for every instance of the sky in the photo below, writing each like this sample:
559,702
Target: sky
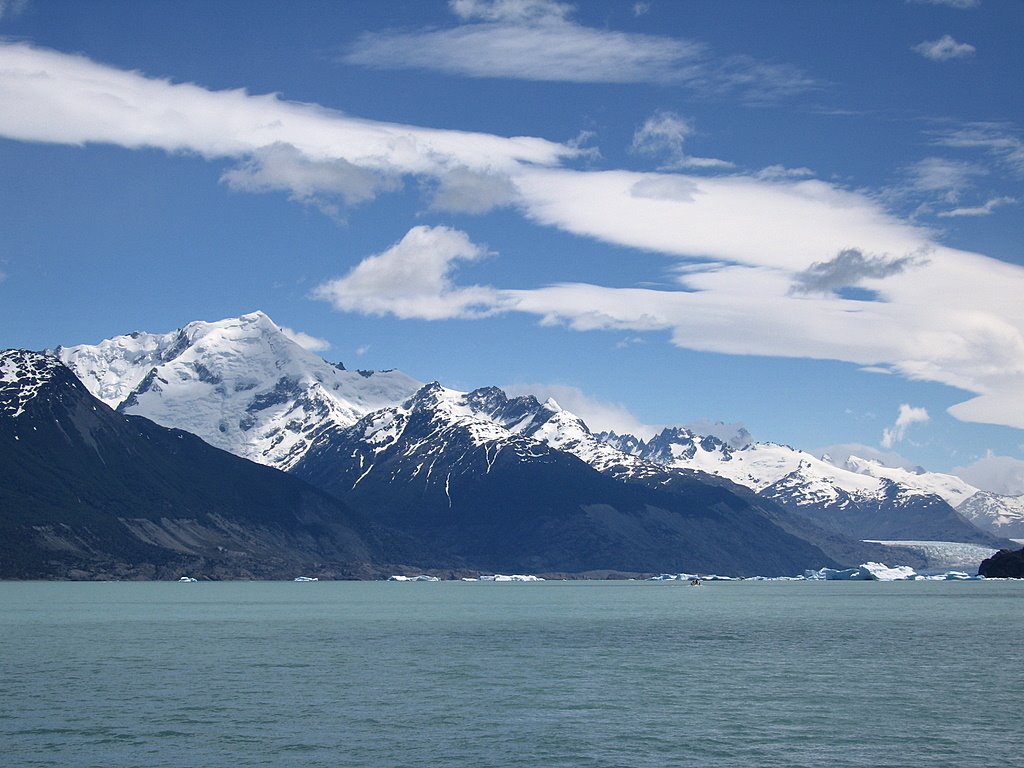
803,218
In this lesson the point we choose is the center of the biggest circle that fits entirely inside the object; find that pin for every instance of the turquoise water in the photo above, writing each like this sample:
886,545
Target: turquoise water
498,674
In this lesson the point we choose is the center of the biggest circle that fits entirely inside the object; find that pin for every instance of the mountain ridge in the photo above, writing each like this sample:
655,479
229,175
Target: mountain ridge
242,385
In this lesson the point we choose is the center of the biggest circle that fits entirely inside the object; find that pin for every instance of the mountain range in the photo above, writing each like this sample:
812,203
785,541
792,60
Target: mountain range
426,477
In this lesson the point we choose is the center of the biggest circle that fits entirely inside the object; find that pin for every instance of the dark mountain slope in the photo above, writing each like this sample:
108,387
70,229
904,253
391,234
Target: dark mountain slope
86,491
481,496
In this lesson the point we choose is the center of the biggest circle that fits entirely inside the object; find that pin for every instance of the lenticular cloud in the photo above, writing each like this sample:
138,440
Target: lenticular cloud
759,260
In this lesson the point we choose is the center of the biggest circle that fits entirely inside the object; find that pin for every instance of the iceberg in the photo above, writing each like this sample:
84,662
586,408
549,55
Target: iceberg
864,572
187,580
421,577
306,578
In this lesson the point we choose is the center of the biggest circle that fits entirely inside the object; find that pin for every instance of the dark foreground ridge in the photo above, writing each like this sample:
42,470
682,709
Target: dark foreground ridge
1004,564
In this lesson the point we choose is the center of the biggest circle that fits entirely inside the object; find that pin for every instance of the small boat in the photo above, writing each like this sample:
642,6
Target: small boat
695,582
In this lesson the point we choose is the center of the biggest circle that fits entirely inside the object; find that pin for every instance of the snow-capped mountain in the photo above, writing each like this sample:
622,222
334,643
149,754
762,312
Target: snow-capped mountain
863,499
240,384
466,474
1003,515
88,492
23,376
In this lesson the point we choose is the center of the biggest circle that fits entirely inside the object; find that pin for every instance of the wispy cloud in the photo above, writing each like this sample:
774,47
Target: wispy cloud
944,49
663,134
944,177
70,99
779,172
304,340
738,240
598,414
510,10
979,210
962,5
10,9
848,269
908,415
998,474
539,41
325,183
1001,141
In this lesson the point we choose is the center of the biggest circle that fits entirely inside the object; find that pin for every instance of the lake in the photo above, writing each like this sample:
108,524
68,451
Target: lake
485,674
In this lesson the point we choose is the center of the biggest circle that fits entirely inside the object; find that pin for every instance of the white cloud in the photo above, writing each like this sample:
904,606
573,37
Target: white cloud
641,9
509,10
535,40
841,453
411,279
1000,140
281,167
362,349
739,240
598,414
908,415
962,5
304,340
941,177
663,134
943,49
997,474
980,210
780,172
464,191
305,149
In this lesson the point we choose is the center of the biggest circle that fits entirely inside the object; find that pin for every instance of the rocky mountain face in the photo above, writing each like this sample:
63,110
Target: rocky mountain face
1002,515
498,483
87,492
240,384
863,499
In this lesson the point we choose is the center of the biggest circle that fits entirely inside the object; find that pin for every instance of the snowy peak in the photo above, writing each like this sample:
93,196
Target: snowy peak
1001,515
806,487
240,384
431,441
24,375
948,487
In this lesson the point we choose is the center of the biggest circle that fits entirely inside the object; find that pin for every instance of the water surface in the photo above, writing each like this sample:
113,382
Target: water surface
511,674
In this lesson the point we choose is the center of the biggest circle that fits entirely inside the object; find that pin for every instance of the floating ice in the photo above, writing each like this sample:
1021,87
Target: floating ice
421,577
864,572
306,578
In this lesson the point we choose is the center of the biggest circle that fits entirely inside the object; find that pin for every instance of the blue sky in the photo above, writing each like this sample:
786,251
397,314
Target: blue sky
801,217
